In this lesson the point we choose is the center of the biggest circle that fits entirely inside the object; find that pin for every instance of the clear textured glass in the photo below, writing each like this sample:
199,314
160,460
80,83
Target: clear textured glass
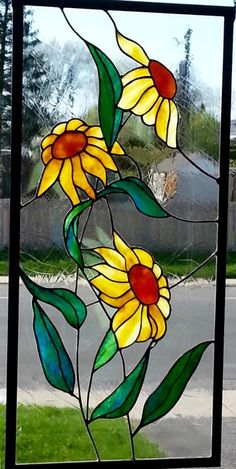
182,178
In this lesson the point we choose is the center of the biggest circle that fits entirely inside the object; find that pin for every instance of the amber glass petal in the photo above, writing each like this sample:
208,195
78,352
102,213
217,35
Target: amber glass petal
129,330
111,273
132,49
133,92
144,257
93,166
124,313
109,287
49,176
146,102
67,183
125,251
102,156
112,257
146,329
80,178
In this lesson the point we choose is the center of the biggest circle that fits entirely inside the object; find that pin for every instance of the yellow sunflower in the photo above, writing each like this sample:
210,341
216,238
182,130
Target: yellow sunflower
71,150
131,281
149,91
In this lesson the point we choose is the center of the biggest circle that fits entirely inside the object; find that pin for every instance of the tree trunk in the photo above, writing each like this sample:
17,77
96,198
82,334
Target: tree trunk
6,4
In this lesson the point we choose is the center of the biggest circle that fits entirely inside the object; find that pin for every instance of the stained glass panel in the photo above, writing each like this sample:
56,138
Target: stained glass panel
119,239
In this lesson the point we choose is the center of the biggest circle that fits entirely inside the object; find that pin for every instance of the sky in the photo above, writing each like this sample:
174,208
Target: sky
160,35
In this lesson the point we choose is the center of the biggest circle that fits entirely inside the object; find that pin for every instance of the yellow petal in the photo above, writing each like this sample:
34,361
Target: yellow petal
117,302
117,149
133,92
162,120
159,320
83,128
112,257
59,128
150,117
125,251
109,287
93,166
74,124
80,179
47,155
146,329
97,142
146,102
153,325
48,140
128,332
132,49
67,183
136,73
157,272
49,176
164,306
103,156
172,126
165,292
94,131
144,257
111,273
125,313
162,282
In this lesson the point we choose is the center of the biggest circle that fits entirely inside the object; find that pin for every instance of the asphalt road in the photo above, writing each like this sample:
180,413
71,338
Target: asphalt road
191,322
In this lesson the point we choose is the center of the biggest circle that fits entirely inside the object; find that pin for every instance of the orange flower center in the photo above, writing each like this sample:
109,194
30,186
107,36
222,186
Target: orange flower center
144,284
69,144
163,79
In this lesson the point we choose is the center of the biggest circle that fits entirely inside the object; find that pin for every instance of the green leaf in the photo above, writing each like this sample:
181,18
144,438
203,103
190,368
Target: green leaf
71,232
140,194
164,398
107,350
66,301
121,401
110,89
73,245
55,361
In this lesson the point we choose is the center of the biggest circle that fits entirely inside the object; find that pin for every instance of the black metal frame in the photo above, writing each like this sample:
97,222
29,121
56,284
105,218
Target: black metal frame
228,13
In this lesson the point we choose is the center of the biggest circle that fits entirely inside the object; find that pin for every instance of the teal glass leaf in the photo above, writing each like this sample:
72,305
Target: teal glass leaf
106,351
55,361
121,401
164,398
66,301
71,232
110,89
140,194
73,245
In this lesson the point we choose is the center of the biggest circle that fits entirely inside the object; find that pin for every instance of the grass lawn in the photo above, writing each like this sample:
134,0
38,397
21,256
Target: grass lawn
172,264
50,434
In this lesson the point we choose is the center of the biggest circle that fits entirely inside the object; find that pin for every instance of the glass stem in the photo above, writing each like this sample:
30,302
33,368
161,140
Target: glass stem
194,270
127,415
79,397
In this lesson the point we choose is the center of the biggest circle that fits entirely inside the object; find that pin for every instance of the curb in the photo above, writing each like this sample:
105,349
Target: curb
230,282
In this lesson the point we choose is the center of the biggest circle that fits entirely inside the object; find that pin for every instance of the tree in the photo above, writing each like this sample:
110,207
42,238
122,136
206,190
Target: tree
183,75
34,110
70,86
5,72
